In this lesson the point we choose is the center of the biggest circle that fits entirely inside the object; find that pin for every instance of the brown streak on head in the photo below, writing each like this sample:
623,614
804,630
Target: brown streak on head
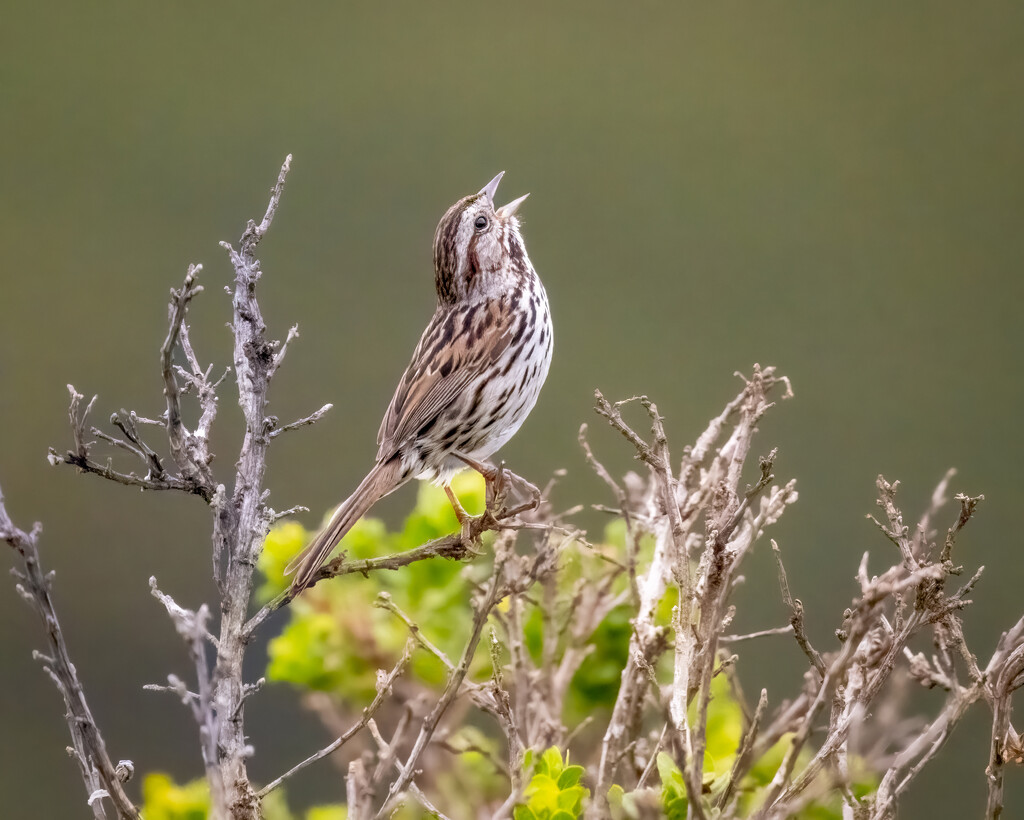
472,263
446,252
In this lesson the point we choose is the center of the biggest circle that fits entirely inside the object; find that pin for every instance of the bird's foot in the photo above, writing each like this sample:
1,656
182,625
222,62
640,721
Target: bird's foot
467,523
532,492
468,537
500,481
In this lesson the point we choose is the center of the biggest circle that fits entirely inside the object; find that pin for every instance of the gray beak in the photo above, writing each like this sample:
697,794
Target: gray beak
491,188
505,211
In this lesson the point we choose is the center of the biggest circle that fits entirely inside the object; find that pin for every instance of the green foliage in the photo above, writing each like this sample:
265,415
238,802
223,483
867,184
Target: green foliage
724,733
163,799
283,542
554,791
725,727
673,790
327,813
596,682
337,639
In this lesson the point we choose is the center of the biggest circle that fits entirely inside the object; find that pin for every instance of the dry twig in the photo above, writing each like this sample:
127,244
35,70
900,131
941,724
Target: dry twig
103,780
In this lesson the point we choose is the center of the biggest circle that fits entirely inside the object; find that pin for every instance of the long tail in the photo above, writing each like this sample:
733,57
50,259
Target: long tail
381,480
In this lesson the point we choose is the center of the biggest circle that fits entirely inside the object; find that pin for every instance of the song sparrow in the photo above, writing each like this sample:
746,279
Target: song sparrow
475,374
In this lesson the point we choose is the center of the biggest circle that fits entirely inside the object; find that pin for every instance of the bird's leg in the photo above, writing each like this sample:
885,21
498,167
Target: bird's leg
460,513
488,471
464,518
494,479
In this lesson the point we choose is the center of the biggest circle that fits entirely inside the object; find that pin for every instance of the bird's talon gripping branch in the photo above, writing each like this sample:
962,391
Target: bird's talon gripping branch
492,518
527,506
469,543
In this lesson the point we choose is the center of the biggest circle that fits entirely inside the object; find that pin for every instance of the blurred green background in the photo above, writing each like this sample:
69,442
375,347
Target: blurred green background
834,189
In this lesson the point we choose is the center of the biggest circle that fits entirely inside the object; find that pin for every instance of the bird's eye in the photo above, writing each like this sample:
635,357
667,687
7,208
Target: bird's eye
481,222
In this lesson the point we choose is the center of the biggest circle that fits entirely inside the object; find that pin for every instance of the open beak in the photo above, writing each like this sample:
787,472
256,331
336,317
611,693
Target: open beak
491,188
505,211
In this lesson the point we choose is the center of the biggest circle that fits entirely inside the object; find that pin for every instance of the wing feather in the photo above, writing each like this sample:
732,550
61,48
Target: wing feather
458,345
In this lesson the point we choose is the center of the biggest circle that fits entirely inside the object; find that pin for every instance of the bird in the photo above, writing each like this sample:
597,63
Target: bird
474,376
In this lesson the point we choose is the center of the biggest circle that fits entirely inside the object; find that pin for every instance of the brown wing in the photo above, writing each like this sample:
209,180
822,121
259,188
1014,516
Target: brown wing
458,345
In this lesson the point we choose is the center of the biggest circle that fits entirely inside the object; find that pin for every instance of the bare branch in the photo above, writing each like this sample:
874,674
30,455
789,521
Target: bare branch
98,771
278,515
384,690
293,333
384,602
764,633
242,521
496,589
387,753
1006,681
968,506
796,618
358,792
80,456
188,453
311,419
192,627
744,757
600,469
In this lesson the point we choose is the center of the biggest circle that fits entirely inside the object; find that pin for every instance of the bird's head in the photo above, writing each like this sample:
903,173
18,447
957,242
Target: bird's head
478,250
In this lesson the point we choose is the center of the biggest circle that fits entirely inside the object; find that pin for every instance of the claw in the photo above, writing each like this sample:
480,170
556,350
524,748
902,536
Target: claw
499,482
497,486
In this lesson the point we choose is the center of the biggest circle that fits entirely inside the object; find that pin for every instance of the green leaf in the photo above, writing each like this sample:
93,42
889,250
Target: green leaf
552,760
275,806
673,790
570,798
542,791
668,771
570,776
